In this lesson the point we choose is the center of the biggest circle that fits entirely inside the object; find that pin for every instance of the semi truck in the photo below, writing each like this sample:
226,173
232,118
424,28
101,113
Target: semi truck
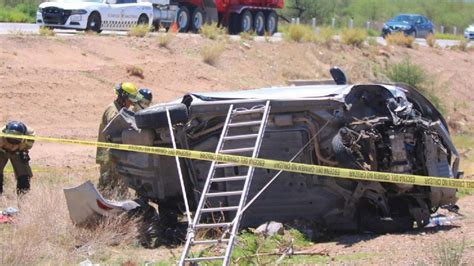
237,15
189,15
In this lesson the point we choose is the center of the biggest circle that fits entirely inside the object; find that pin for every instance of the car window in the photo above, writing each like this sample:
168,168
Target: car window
126,1
404,18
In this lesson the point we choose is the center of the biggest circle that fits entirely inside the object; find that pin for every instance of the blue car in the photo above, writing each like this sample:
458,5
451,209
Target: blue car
414,25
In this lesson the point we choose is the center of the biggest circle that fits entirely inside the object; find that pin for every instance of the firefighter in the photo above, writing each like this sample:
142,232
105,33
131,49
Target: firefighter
110,182
145,101
16,150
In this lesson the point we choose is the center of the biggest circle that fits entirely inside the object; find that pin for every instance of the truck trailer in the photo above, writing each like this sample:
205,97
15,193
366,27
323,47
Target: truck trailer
237,15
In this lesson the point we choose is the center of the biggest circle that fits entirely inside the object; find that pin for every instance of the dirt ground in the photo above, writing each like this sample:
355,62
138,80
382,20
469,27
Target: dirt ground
60,86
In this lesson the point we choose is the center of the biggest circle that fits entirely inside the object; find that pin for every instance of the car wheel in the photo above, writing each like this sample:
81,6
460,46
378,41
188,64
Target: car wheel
183,19
246,21
413,34
143,20
197,20
259,23
271,24
94,22
155,117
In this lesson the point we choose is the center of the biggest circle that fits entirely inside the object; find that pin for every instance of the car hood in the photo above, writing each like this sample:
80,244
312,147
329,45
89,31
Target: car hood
470,28
398,24
79,5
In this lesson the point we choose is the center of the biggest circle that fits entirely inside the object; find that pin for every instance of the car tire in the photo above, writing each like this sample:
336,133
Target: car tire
183,19
259,23
143,20
271,23
155,117
414,34
197,20
246,21
94,22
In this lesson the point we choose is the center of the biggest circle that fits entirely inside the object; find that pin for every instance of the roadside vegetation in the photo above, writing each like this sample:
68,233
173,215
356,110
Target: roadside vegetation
417,77
400,39
213,31
139,31
355,37
18,10
45,31
165,39
448,13
212,52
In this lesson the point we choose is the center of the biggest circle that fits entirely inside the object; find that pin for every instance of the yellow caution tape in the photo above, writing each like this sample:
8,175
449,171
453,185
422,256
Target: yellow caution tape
271,164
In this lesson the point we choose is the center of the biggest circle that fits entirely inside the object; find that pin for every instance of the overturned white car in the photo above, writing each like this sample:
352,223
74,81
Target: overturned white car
376,127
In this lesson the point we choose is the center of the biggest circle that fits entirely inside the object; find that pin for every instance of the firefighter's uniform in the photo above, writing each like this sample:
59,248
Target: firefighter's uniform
19,158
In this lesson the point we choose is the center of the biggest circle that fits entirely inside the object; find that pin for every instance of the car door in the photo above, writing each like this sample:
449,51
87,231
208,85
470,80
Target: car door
111,15
130,13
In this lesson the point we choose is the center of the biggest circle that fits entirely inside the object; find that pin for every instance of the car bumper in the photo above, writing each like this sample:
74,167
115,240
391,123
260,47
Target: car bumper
469,35
78,22
387,31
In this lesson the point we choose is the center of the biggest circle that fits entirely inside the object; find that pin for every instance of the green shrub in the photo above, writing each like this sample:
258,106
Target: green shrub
325,36
247,35
211,53
407,72
450,252
213,31
299,33
9,14
354,37
373,33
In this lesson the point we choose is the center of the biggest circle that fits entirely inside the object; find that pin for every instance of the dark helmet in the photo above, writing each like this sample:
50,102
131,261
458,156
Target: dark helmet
146,93
17,128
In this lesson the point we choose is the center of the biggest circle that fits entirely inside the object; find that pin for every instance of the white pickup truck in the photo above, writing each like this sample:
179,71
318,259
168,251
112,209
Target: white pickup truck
94,15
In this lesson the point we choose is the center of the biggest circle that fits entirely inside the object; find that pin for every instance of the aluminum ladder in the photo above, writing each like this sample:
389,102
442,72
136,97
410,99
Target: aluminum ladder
236,118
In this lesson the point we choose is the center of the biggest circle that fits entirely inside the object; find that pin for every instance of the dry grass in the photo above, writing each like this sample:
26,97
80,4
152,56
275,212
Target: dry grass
400,39
45,31
139,31
431,40
300,33
354,37
44,234
165,39
211,53
247,36
212,31
135,71
463,46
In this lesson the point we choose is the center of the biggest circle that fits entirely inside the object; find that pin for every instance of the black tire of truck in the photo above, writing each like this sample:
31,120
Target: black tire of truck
246,21
370,220
234,23
259,23
271,23
184,19
94,22
155,117
197,19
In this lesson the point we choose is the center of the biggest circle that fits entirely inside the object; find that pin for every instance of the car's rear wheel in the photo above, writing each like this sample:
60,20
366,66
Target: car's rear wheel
143,20
94,22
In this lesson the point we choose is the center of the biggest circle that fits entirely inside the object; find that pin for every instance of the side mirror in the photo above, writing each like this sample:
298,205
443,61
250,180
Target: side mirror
338,75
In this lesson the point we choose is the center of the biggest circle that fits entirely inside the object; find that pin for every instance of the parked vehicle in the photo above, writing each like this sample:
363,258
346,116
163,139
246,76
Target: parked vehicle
469,32
415,25
238,15
377,127
94,15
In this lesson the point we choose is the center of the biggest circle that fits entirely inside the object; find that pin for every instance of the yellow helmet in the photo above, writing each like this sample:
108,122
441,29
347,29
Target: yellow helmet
128,90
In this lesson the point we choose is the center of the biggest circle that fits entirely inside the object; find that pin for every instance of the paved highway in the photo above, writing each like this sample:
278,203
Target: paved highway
24,28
